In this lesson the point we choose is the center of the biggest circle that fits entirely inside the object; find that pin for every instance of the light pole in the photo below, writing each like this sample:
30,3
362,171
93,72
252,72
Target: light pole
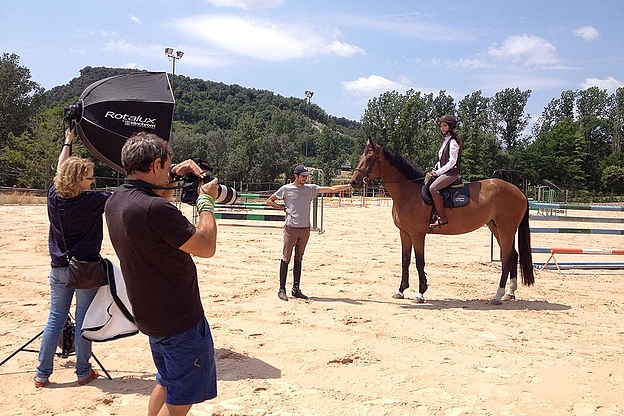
309,95
173,57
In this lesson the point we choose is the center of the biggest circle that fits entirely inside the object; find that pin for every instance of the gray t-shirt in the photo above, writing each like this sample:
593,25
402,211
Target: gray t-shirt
297,200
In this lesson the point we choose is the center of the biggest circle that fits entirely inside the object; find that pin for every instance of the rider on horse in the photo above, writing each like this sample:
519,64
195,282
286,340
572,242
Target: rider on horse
446,170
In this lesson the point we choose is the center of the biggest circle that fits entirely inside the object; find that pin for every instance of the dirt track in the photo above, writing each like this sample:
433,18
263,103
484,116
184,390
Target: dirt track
351,349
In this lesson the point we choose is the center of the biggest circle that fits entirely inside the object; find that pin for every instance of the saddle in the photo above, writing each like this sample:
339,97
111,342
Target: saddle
455,195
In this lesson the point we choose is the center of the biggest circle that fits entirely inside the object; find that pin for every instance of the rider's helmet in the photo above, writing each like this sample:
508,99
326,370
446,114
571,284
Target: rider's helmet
449,120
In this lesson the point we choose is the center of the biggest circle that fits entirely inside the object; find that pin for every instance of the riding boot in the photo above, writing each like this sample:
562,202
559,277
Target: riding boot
439,207
282,275
296,291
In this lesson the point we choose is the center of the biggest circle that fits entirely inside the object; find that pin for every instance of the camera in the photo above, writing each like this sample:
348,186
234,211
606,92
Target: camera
71,112
190,182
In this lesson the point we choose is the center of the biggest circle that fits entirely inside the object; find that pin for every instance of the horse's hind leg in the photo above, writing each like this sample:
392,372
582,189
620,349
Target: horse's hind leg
422,278
509,261
513,276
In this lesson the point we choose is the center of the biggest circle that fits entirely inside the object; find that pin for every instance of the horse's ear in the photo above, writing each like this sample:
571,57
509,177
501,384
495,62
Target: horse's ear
370,143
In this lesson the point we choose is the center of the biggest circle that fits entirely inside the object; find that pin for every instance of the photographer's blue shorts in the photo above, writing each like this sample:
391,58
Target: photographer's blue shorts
186,365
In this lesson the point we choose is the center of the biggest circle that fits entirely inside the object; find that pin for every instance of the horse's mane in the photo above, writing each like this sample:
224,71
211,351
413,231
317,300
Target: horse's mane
412,171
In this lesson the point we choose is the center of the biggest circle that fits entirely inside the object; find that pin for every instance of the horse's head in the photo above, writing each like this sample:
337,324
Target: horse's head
368,165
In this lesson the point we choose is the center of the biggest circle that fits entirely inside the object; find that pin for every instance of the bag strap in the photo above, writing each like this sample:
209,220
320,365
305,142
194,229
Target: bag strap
62,233
112,284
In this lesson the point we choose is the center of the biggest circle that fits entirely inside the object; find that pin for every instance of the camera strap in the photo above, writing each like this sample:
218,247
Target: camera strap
138,183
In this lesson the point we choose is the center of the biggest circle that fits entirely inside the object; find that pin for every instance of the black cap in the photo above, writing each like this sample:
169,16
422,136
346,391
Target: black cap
301,170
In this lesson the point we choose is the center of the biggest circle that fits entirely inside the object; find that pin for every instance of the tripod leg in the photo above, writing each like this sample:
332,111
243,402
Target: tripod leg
22,348
101,366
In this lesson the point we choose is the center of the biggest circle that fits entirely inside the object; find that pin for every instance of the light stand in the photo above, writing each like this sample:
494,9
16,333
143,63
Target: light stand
173,57
66,350
309,95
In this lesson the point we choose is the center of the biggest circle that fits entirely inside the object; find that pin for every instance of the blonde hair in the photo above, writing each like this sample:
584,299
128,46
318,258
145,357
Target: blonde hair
71,173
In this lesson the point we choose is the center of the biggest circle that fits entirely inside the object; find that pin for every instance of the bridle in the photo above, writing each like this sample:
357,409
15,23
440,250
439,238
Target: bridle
368,171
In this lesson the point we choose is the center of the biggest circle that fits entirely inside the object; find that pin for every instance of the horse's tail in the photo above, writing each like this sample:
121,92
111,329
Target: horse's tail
524,247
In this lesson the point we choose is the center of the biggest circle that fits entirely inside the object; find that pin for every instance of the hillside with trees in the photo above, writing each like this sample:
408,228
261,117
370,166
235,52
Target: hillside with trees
256,136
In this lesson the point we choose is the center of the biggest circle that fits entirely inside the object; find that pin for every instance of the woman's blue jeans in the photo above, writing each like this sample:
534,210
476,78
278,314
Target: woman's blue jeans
60,302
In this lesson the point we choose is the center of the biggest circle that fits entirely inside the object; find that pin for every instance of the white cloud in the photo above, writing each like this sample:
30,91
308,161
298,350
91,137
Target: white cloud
474,63
263,40
344,49
134,19
610,84
374,85
587,33
246,4
525,50
108,34
123,47
411,25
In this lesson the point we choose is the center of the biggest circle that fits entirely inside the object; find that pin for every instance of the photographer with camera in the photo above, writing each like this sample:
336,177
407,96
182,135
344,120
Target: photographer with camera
155,242
76,230
297,197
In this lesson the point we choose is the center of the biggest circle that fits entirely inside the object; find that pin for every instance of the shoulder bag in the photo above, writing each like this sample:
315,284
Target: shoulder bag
85,274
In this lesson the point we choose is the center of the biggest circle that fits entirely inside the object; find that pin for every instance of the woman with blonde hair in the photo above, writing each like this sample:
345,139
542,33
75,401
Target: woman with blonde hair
76,230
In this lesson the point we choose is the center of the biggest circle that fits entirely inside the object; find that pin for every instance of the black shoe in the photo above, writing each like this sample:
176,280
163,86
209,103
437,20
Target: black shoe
282,295
296,292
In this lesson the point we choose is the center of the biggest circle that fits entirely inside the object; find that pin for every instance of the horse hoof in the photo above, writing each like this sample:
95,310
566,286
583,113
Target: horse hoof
398,295
509,296
419,299
495,302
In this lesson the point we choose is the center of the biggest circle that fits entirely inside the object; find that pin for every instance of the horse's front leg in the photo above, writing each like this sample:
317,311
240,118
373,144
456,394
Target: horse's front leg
406,259
419,253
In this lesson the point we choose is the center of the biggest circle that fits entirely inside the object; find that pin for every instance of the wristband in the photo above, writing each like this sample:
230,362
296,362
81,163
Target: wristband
205,203
66,144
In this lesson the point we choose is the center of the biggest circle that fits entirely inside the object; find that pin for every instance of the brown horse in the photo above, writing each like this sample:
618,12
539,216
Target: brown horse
499,204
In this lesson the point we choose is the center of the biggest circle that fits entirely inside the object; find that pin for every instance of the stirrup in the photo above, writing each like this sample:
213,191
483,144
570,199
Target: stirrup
437,224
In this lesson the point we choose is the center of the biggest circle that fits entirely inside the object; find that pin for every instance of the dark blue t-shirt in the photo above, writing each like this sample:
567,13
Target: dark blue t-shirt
82,226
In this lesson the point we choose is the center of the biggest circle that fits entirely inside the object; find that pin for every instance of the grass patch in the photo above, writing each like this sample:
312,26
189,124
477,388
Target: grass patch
21,198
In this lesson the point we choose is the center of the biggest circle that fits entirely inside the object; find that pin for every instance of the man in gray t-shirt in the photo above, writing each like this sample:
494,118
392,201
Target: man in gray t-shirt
297,197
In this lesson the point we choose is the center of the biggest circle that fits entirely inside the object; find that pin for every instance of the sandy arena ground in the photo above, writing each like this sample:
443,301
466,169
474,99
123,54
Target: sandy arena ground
351,349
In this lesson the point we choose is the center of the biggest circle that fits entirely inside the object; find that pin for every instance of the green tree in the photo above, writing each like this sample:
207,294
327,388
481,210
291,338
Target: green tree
381,117
508,110
29,160
330,153
481,150
618,119
20,98
276,157
557,155
556,110
416,135
613,179
210,147
594,107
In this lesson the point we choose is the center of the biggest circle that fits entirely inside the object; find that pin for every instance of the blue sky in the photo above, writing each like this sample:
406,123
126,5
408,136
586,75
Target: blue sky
346,51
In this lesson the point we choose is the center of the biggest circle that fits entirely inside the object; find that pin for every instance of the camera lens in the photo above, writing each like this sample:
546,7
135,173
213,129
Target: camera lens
226,195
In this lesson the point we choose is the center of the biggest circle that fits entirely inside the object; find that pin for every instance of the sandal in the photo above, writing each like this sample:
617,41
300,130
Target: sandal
92,376
40,384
